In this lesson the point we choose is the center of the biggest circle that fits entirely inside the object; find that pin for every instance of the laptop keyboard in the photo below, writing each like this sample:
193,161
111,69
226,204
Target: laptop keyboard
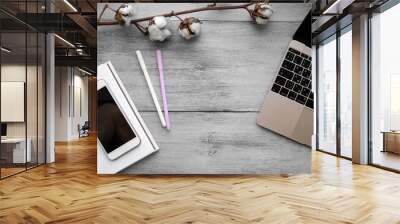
294,78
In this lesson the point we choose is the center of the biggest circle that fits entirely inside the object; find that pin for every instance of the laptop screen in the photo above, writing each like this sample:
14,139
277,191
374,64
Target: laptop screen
303,33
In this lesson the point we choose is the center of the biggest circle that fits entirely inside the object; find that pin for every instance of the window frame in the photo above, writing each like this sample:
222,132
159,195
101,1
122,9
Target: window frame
337,35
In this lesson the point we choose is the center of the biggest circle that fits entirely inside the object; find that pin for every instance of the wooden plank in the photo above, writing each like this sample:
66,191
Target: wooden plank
222,70
220,143
70,191
284,12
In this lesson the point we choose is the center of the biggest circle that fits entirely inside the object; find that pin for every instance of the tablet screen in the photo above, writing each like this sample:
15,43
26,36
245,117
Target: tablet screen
113,129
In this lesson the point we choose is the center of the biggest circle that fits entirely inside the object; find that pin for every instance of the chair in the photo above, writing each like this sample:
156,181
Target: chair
84,130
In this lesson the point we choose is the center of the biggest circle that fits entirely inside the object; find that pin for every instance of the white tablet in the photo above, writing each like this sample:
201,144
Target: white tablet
116,134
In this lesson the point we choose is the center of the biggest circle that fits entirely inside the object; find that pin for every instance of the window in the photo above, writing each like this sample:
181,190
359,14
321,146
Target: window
346,75
327,95
334,106
385,89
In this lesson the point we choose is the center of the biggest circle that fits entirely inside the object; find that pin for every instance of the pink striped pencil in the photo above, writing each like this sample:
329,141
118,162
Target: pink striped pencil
160,63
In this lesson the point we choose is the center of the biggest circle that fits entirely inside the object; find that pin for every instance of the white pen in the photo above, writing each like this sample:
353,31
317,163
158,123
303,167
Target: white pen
150,85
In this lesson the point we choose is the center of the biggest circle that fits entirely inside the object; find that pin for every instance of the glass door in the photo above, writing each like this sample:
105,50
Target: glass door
385,89
326,60
22,101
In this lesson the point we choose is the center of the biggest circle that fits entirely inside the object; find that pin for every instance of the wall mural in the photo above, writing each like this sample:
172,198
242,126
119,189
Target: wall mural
204,89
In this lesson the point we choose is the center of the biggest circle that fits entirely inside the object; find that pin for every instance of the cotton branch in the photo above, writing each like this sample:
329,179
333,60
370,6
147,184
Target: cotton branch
211,7
189,27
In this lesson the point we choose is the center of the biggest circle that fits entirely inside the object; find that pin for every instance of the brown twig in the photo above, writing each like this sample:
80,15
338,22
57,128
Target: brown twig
173,13
250,12
141,28
102,12
170,14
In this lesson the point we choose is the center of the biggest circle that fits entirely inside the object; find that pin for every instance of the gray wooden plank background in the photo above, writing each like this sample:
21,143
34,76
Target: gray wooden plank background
215,86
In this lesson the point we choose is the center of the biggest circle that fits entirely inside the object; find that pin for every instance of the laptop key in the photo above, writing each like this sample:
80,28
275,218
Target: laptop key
305,92
275,88
311,96
301,99
289,56
284,91
296,79
297,88
298,69
306,73
280,80
294,51
289,84
304,55
305,82
310,104
285,73
298,60
292,95
288,65
306,63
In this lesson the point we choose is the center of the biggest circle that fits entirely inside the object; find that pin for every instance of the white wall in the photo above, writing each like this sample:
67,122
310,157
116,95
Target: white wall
79,117
70,83
62,81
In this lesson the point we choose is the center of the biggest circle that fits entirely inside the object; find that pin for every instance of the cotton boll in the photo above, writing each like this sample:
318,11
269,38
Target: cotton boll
166,33
262,12
127,10
196,27
156,34
261,21
125,14
185,33
160,21
157,29
189,28
268,11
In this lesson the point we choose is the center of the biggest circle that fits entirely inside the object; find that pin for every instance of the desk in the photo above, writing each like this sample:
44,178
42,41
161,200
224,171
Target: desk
19,155
391,141
215,85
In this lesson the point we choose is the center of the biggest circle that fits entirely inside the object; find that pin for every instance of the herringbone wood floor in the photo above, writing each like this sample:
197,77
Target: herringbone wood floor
69,191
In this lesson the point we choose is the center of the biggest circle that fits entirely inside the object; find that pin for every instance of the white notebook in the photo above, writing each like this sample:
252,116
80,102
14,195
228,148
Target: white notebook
147,145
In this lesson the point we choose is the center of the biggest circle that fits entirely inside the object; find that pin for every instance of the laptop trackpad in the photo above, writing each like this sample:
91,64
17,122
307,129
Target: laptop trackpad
280,114
304,127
